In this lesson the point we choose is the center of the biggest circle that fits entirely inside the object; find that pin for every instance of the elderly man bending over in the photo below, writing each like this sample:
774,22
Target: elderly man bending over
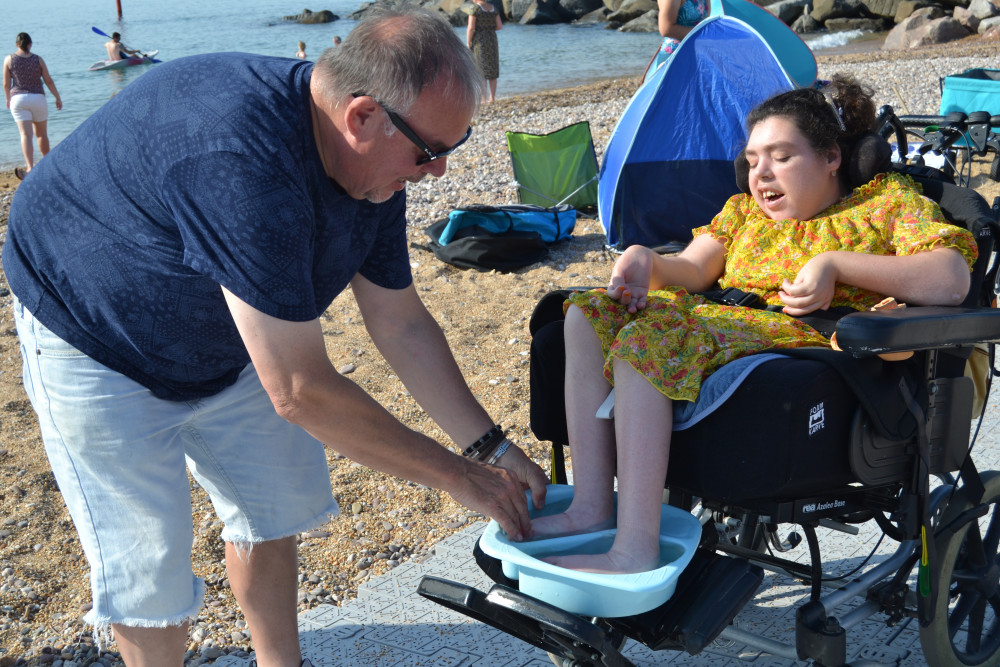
170,261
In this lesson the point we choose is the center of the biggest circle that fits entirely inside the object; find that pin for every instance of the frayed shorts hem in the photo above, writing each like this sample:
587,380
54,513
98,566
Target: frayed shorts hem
244,545
103,624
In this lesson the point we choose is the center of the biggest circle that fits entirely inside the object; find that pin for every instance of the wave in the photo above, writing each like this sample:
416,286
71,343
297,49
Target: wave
831,40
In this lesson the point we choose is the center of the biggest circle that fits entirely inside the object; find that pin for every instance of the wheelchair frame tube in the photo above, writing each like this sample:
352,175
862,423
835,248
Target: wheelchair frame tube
769,646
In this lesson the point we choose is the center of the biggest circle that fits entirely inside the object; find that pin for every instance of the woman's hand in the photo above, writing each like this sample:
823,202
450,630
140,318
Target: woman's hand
630,278
813,287
530,473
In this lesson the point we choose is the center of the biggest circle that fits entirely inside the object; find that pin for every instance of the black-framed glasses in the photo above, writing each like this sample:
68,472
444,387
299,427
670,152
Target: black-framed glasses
414,137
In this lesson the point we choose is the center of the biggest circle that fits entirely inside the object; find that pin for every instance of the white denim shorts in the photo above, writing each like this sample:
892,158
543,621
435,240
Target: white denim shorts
120,456
29,106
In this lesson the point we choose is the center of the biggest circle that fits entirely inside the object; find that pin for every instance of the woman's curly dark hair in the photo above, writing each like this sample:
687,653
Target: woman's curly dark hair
840,112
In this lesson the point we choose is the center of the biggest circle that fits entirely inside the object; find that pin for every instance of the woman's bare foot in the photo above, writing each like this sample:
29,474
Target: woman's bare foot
623,561
569,523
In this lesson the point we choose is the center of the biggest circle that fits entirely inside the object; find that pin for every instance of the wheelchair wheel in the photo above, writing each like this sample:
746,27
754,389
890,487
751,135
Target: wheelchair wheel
966,626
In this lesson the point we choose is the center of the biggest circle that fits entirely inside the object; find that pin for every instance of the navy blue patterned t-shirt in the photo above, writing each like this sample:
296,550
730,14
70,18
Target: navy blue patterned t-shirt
202,172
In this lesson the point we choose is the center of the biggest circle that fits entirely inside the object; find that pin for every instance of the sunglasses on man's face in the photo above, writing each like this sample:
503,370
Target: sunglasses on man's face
414,137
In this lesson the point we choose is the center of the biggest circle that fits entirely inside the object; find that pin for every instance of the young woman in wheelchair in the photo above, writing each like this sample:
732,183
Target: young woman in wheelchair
802,240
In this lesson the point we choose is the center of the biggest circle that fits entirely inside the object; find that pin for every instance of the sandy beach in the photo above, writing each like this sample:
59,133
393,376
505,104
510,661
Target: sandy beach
384,521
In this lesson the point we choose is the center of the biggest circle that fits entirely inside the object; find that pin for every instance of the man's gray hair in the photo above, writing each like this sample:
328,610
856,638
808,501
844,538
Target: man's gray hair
395,52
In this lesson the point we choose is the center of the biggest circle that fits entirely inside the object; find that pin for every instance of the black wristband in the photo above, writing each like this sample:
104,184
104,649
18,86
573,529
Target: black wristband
486,444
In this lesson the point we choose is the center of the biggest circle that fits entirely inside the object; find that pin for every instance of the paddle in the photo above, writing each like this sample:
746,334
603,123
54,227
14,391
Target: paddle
104,34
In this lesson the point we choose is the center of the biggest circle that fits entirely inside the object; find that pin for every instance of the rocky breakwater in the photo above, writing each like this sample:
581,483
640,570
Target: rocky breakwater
308,16
910,23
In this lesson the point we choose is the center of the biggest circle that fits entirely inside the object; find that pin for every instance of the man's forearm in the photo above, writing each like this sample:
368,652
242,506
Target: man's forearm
421,357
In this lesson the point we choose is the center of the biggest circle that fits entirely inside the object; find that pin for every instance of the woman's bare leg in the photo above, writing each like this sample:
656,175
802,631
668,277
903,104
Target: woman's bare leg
643,423
27,134
592,440
41,132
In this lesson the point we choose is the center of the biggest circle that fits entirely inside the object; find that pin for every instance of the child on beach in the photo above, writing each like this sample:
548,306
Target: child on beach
801,240
301,53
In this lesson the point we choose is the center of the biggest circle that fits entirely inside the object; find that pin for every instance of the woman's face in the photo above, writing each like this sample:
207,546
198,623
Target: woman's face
788,178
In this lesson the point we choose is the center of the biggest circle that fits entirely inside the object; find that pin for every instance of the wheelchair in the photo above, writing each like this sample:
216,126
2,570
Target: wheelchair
815,438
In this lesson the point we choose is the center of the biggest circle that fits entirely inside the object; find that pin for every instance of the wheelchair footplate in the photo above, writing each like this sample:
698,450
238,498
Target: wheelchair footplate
710,592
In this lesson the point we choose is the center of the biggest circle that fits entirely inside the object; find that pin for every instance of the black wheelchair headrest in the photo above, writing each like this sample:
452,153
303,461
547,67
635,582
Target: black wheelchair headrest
871,155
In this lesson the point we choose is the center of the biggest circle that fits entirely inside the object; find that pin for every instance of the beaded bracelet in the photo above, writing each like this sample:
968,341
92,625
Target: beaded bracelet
485,444
501,450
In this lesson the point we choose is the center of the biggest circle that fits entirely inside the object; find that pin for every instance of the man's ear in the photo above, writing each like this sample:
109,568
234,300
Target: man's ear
361,116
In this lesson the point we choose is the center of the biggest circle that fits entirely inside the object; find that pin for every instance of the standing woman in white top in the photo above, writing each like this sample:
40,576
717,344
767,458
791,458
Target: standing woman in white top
23,73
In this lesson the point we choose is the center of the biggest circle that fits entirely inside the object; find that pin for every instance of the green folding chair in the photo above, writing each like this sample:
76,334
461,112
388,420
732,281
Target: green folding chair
555,168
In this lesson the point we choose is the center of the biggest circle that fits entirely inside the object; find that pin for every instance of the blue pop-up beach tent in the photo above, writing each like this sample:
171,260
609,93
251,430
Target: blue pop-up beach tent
668,166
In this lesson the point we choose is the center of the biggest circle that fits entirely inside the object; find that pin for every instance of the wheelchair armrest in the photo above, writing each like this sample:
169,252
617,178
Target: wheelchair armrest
916,328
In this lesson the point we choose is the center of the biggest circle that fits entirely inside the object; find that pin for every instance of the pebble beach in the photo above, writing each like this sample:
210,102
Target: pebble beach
384,521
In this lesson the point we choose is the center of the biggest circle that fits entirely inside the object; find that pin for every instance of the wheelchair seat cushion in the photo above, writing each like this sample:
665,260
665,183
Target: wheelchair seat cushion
717,389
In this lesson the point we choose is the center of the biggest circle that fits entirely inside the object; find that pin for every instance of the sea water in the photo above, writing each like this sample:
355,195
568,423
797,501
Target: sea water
532,58
599,543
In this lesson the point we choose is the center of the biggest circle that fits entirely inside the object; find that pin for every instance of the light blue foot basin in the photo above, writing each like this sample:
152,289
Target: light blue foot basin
587,593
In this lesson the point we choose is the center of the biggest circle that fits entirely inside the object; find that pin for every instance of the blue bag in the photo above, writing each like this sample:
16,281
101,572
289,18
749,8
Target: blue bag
502,238
552,224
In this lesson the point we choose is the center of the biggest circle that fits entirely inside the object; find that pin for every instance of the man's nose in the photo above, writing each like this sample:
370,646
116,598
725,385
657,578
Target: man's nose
436,168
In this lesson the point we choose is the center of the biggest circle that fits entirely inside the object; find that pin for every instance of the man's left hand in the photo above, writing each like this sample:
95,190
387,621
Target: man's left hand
530,473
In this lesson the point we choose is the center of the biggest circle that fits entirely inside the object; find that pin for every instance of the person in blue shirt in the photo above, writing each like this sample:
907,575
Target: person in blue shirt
170,261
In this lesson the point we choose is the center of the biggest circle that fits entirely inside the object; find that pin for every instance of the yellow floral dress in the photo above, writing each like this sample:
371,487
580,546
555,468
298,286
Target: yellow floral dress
680,339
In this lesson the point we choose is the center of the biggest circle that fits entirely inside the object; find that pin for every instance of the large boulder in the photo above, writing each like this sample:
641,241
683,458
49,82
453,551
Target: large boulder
599,15
988,26
455,11
968,20
883,8
645,23
866,25
836,9
984,9
806,24
541,12
574,10
309,16
921,30
906,8
517,8
788,10
633,9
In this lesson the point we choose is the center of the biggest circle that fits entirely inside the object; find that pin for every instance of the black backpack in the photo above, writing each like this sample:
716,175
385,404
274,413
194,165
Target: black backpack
504,238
